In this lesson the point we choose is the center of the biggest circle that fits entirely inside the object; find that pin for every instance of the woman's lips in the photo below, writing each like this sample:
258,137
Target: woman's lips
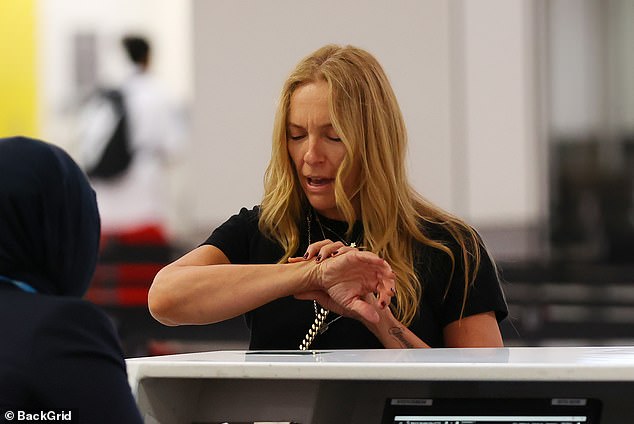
318,180
318,184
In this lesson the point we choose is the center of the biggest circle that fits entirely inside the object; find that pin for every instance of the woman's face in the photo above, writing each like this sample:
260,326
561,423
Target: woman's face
317,151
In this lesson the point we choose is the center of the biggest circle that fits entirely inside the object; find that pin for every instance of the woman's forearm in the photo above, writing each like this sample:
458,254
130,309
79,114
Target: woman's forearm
202,287
204,294
393,334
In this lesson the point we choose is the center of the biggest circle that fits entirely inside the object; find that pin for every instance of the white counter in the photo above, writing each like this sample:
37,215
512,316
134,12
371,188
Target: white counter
205,387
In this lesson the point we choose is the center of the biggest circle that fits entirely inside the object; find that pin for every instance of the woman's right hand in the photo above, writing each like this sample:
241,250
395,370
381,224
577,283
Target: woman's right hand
344,278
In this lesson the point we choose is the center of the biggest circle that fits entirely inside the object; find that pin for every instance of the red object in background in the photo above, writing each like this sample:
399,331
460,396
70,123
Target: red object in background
124,284
127,265
146,235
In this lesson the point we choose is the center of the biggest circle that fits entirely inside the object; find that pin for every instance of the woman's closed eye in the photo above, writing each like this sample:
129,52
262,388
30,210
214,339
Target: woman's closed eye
296,137
331,134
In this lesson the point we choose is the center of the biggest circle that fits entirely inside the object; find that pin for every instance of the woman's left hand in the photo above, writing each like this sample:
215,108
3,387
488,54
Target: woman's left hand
341,294
322,250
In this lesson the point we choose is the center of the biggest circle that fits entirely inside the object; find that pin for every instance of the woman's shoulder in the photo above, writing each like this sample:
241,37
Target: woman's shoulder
435,230
458,238
253,214
245,221
240,238
444,275
246,216
448,234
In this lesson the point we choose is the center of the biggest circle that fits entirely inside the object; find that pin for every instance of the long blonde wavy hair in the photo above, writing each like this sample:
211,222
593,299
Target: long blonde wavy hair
366,116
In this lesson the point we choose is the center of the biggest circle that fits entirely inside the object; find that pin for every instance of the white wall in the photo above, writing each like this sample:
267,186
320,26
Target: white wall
591,63
462,71
624,55
500,126
576,66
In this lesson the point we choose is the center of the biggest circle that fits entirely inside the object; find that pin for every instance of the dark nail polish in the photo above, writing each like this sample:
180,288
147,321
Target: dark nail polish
334,253
306,255
318,258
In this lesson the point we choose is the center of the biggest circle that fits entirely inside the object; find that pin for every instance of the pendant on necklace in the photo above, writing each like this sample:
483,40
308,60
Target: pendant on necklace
353,244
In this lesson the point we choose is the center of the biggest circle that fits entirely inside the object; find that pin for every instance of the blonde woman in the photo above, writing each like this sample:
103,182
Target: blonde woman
342,253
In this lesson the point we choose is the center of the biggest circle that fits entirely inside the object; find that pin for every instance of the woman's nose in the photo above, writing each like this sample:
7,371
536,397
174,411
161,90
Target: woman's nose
314,153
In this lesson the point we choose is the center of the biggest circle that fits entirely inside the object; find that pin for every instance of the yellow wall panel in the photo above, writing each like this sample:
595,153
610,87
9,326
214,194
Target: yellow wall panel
18,97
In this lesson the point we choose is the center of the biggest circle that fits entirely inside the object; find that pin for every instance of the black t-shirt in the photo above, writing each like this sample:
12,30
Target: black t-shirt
283,323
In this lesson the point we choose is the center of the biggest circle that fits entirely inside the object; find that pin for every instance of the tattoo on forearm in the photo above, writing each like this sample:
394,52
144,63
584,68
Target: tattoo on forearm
397,333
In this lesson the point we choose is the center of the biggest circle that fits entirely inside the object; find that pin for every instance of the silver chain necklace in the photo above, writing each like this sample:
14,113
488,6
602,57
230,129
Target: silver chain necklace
319,326
322,226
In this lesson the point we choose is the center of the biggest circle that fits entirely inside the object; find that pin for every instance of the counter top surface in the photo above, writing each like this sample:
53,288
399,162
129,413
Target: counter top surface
615,363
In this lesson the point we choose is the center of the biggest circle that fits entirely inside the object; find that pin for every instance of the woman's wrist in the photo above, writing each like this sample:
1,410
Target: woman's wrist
392,333
386,321
309,275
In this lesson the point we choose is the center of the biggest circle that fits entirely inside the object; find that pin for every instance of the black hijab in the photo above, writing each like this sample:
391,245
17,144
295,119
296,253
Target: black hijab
49,222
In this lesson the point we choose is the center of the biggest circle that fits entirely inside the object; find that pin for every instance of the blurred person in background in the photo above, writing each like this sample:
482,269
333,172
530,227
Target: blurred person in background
58,351
134,200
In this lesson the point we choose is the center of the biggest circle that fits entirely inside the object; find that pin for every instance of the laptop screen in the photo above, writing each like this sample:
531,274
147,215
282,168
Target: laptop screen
492,411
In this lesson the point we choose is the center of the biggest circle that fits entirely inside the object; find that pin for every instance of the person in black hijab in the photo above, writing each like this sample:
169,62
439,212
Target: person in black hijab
57,351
